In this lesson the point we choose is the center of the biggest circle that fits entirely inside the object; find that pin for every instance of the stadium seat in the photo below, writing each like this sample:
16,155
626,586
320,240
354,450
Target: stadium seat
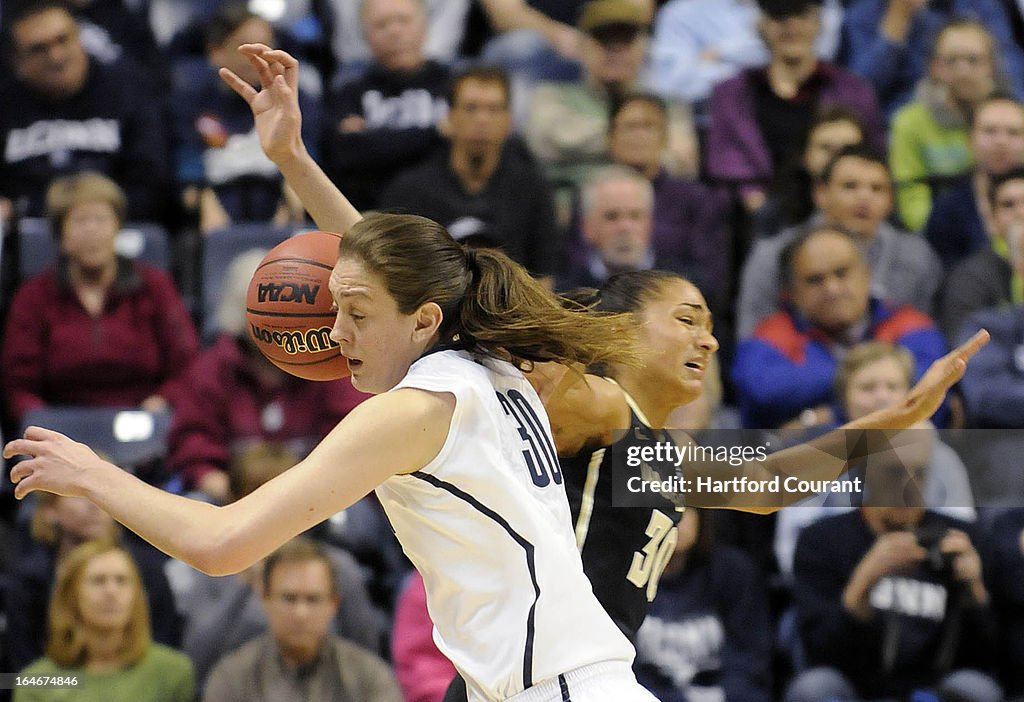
130,437
219,248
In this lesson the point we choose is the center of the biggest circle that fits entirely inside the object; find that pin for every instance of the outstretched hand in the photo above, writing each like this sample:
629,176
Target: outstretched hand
275,107
928,393
56,463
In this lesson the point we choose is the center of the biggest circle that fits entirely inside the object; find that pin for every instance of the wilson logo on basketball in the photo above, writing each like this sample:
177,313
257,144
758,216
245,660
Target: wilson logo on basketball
287,292
297,341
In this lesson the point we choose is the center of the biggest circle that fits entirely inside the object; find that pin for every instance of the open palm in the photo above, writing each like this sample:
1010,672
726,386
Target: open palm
275,107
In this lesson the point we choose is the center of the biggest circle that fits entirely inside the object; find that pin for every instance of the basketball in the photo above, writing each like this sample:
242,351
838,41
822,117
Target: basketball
288,307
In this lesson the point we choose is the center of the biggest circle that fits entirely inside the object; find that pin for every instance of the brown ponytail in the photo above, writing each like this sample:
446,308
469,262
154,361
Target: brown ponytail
491,305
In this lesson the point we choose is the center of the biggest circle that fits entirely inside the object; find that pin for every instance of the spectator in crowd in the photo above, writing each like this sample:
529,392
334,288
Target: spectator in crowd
961,221
224,174
1006,575
928,142
617,224
791,200
690,226
58,525
891,597
99,634
891,41
236,396
112,30
386,120
993,397
352,48
484,185
223,614
299,659
65,112
871,376
700,43
567,129
1015,13
422,670
786,370
617,207
759,119
855,192
537,40
994,390
707,634
990,277
94,328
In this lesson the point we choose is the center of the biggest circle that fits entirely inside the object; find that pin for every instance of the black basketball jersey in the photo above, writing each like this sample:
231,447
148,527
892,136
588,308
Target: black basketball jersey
624,549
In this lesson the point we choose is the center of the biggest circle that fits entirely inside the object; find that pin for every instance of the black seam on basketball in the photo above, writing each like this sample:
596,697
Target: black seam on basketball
304,363
310,261
266,313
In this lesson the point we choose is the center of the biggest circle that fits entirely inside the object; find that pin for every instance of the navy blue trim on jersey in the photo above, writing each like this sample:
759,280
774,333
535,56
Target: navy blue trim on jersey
563,686
527,549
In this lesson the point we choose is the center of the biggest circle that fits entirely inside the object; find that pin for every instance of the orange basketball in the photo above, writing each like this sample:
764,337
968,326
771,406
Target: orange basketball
288,307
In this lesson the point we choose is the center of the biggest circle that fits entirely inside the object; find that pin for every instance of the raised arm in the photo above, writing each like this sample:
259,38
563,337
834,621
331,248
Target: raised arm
829,456
359,454
275,108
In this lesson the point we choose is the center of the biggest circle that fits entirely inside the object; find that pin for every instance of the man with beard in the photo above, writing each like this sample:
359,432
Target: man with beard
483,187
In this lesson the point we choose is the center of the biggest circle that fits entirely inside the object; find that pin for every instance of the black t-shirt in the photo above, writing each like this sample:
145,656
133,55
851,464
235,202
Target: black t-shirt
785,122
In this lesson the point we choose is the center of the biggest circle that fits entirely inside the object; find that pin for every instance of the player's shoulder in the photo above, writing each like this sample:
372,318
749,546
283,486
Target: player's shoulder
590,410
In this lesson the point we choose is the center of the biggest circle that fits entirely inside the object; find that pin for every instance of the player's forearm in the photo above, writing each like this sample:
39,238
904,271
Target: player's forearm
327,205
188,530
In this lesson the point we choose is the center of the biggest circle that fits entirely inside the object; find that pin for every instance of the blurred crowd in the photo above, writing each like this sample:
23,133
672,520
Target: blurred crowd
842,179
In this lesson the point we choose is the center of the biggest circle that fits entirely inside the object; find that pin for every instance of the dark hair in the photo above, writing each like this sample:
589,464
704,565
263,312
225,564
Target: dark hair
624,293
629,291
226,20
490,304
789,254
998,181
861,151
483,74
620,103
301,549
830,114
23,11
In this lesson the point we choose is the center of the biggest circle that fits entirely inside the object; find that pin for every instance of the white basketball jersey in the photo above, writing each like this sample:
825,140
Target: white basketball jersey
487,523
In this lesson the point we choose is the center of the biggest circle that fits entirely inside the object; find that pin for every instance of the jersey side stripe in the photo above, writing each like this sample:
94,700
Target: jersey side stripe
518,538
587,499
